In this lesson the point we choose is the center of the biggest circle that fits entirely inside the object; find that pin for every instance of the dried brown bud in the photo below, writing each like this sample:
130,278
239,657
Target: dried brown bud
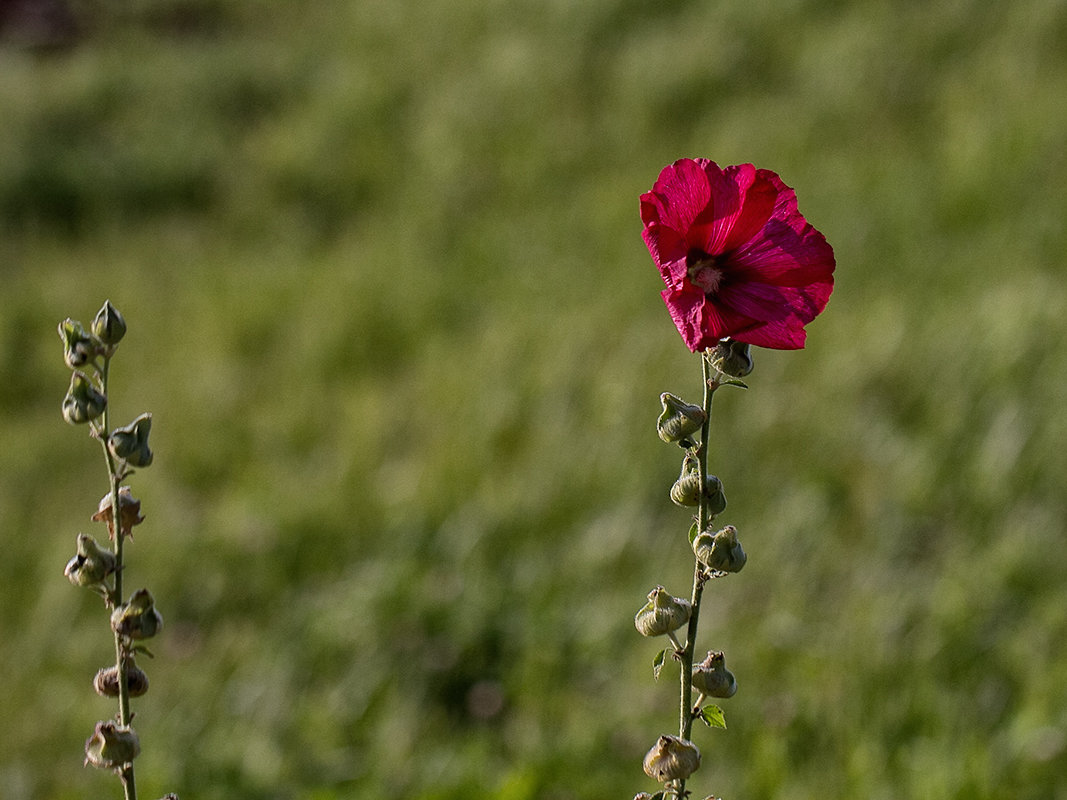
106,682
129,512
712,678
111,746
672,759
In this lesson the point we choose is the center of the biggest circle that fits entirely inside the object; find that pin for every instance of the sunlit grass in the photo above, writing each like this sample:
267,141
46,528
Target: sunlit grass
403,348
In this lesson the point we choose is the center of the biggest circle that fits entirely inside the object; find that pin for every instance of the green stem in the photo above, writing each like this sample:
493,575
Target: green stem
129,785
699,577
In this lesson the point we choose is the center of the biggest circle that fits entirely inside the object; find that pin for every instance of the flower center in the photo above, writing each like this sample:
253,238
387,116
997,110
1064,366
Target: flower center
704,271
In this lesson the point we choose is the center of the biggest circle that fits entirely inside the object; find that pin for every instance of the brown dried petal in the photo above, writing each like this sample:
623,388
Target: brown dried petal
129,512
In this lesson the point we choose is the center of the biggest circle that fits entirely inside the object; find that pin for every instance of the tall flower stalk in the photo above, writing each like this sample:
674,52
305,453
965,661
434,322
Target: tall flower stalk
114,744
742,267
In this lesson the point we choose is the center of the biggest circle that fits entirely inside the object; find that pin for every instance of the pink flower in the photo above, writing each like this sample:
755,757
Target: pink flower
738,259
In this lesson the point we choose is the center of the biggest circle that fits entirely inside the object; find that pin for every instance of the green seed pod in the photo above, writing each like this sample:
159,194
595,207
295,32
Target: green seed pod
106,682
83,403
679,420
712,678
672,759
720,551
131,442
137,619
91,564
111,746
731,358
79,348
662,613
109,326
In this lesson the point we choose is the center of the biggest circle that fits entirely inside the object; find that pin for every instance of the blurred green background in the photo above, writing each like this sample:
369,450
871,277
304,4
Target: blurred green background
389,304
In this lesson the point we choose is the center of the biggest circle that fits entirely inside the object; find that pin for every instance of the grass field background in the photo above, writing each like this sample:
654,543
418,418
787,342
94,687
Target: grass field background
390,308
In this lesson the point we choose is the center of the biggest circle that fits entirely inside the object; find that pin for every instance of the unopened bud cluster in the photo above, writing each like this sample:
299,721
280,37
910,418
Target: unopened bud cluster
717,552
87,352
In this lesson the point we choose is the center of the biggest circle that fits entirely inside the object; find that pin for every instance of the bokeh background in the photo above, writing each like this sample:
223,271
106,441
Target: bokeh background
388,302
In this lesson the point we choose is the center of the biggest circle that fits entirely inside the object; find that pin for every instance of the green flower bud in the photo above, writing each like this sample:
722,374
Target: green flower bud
137,619
662,613
111,746
131,442
83,402
672,759
712,678
79,348
109,326
731,358
91,565
716,496
129,512
720,551
106,682
686,490
679,420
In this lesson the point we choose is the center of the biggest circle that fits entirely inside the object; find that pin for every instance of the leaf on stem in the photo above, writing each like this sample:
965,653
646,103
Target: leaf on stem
712,716
658,662
693,531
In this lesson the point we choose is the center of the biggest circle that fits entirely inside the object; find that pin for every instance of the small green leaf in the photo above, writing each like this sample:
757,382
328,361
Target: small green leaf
734,382
658,662
693,531
712,716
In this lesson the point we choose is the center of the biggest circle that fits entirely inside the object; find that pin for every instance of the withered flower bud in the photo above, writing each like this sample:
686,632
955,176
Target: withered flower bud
662,613
720,551
79,348
731,358
137,619
672,759
106,681
129,512
712,678
111,746
91,565
83,402
131,442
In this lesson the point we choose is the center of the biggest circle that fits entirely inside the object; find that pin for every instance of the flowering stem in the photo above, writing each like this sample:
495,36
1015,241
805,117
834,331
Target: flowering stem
700,576
129,785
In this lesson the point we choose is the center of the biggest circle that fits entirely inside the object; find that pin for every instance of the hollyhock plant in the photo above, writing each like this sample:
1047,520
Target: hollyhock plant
737,257
742,268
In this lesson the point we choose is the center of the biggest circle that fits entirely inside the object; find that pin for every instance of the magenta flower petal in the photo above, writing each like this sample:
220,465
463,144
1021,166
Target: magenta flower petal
737,257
